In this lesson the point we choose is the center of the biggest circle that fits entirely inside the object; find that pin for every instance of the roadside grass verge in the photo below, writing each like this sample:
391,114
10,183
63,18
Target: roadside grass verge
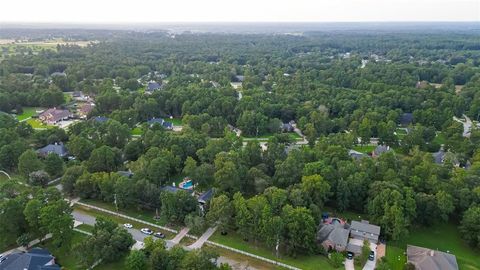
120,220
234,240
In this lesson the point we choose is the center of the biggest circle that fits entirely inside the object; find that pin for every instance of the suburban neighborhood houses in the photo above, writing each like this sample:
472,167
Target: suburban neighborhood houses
428,259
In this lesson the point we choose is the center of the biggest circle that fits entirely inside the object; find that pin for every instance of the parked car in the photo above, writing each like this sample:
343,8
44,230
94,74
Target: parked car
350,255
159,235
146,231
371,256
128,225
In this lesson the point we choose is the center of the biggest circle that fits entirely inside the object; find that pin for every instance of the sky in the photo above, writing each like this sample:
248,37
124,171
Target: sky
141,11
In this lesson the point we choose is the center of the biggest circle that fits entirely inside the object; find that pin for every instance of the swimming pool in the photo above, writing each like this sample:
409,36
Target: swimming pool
186,184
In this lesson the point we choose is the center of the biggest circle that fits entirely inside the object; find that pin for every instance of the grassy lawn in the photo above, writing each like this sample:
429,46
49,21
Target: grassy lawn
35,123
175,121
65,257
234,240
265,137
345,215
246,260
136,131
67,96
440,138
443,237
85,228
366,149
119,264
28,112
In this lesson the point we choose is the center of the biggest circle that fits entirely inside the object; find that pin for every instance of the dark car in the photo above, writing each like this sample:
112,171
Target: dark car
350,255
159,235
371,256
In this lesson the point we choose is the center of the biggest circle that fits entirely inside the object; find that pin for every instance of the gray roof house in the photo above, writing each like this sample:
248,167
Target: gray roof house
153,85
35,259
356,155
333,236
380,149
428,259
57,148
205,196
161,122
364,230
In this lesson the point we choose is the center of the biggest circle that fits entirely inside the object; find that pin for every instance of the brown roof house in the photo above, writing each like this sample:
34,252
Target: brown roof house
85,110
54,115
333,236
428,259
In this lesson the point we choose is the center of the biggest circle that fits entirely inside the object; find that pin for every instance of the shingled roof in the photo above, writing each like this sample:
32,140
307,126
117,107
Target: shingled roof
428,259
35,259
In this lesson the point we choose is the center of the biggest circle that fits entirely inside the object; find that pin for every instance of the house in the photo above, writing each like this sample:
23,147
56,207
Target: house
441,156
287,127
153,86
406,119
60,74
127,174
57,148
428,259
35,259
54,115
333,236
239,78
356,155
161,122
85,110
364,230
380,149
360,231
205,197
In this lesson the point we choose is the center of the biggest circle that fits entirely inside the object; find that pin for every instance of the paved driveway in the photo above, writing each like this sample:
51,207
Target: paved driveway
349,265
370,265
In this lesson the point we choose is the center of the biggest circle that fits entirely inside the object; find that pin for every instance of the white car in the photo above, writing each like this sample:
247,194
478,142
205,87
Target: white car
146,231
128,225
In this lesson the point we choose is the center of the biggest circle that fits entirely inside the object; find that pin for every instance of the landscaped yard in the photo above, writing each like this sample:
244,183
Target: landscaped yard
28,112
234,240
175,121
35,123
66,258
440,138
442,237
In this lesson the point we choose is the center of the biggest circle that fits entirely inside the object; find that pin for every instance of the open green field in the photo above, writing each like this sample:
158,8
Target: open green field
443,237
234,240
366,149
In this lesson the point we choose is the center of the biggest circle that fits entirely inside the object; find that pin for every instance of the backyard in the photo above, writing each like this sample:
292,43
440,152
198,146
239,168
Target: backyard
443,237
28,112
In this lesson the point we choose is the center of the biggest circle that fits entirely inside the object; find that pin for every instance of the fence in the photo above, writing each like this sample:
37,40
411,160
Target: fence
191,236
